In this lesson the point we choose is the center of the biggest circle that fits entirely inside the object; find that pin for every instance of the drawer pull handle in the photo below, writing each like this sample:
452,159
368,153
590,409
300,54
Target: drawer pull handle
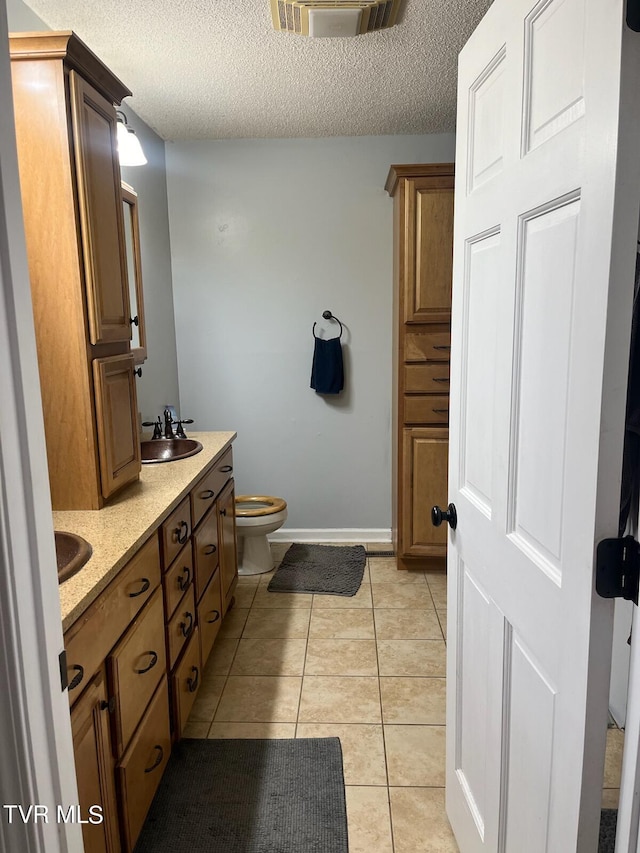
209,550
109,706
154,661
187,628
192,683
215,617
443,346
440,411
158,760
223,511
182,532
146,583
75,681
207,494
226,469
185,579
440,378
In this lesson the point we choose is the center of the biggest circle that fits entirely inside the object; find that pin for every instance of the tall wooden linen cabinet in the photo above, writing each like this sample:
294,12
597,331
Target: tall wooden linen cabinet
422,267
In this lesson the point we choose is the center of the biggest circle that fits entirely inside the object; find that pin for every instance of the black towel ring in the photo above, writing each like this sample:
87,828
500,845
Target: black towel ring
328,316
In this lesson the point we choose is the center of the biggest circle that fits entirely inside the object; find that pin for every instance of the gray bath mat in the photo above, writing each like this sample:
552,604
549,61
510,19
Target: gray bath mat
249,796
326,569
608,823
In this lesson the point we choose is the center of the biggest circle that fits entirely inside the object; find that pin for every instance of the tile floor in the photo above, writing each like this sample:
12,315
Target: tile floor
368,669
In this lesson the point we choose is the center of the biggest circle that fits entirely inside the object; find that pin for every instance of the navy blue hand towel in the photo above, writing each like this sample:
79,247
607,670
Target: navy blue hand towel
327,371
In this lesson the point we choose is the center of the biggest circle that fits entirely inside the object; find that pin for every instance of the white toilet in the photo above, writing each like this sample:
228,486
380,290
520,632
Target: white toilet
257,516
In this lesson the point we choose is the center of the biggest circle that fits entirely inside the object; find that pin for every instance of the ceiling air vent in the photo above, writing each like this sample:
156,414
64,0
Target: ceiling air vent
333,18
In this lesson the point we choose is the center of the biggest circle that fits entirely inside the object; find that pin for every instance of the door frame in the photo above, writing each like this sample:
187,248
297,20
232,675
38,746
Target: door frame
37,766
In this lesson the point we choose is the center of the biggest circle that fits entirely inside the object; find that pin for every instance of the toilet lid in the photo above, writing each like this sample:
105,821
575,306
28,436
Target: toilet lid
250,506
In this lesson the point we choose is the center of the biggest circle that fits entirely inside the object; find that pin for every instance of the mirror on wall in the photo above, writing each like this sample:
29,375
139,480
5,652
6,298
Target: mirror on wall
134,269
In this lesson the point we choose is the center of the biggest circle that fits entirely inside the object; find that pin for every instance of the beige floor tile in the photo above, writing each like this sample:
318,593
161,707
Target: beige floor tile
268,731
385,570
264,598
439,595
279,549
244,595
259,699
419,701
415,755
340,699
271,624
342,624
613,758
436,579
442,616
362,598
234,622
341,657
269,657
368,820
195,729
409,624
378,546
420,822
412,657
610,798
401,595
221,657
265,578
362,750
207,699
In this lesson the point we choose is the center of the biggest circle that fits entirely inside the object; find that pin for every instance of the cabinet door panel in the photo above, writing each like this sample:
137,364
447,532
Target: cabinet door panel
206,553
227,538
181,626
185,683
209,616
425,485
117,421
100,210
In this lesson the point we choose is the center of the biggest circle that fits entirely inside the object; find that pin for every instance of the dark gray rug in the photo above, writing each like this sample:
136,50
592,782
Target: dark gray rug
326,569
608,822
249,796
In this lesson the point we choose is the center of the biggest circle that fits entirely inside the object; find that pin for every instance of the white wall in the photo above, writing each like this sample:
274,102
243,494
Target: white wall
265,235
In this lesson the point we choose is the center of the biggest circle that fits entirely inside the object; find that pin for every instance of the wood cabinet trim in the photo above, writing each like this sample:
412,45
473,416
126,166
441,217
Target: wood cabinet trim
416,170
130,196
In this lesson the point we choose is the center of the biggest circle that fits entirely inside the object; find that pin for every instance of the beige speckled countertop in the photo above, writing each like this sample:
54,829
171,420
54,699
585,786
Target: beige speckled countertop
120,528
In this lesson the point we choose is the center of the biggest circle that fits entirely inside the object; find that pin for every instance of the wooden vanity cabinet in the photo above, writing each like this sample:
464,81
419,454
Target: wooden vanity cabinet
227,544
70,184
422,271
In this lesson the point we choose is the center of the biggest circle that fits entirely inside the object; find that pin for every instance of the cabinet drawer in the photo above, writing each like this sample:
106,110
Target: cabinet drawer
135,667
210,486
426,410
143,764
210,616
90,639
181,626
428,345
426,378
185,683
205,550
177,579
175,532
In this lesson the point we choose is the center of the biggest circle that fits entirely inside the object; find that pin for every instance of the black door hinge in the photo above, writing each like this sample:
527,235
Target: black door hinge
618,568
62,660
633,15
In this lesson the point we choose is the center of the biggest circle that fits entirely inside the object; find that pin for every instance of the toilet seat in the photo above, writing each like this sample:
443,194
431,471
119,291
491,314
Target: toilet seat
258,505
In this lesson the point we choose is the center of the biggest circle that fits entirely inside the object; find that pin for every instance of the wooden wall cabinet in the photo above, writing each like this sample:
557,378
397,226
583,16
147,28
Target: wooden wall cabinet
423,250
71,194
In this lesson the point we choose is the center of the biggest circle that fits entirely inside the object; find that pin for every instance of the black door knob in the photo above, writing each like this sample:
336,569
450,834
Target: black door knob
450,515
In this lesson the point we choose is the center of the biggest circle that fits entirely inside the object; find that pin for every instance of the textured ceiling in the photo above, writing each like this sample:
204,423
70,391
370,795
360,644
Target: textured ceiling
204,69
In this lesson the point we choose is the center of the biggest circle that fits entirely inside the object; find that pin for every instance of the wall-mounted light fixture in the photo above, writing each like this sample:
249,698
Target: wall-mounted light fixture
129,148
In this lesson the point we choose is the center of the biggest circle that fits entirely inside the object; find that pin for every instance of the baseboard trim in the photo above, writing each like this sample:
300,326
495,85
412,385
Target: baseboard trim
338,534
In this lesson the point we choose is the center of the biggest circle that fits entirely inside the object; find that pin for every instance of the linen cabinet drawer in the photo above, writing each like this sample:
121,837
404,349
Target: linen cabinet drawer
210,486
181,626
210,616
427,345
135,666
426,378
175,532
205,551
185,683
90,639
143,764
177,579
426,410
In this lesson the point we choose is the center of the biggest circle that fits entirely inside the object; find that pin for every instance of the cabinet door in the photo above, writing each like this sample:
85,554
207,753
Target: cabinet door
117,421
227,540
425,455
206,551
100,212
429,250
94,767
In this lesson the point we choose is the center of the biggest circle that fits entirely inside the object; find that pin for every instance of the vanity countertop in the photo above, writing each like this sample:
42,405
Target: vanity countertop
116,531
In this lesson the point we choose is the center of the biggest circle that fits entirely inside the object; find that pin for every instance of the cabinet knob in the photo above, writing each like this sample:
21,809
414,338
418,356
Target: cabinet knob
146,583
109,706
182,532
450,515
134,321
77,678
158,760
154,661
185,627
138,372
185,578
192,683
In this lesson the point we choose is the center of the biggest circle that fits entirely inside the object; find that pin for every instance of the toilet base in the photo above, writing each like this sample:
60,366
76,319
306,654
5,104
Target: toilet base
256,556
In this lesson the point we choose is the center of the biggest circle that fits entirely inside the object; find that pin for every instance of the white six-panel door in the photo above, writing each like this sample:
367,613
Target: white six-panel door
547,198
